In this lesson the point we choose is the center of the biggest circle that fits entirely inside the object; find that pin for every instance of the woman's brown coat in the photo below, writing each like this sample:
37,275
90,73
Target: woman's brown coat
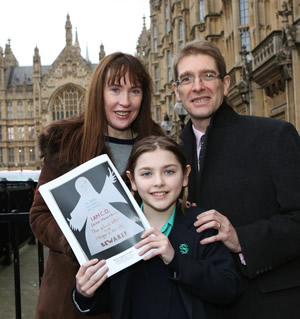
59,276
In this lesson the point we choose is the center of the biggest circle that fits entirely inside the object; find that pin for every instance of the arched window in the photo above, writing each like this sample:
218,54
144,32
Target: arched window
169,63
9,111
167,18
158,114
180,31
201,11
154,38
244,12
30,112
156,79
20,110
244,28
67,103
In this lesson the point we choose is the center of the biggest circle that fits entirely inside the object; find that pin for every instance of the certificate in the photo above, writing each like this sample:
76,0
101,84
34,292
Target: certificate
97,213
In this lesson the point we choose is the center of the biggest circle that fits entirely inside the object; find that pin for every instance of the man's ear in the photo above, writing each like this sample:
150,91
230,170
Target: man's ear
226,83
186,176
176,92
133,185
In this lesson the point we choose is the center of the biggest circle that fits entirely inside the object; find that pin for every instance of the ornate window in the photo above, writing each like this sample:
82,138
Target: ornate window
67,103
154,38
20,110
170,111
169,62
31,132
9,111
158,114
31,154
245,39
244,28
11,155
167,18
244,12
30,113
180,31
21,154
170,105
201,11
156,79
10,133
21,133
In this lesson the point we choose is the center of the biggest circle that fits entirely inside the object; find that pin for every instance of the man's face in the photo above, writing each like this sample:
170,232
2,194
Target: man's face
200,98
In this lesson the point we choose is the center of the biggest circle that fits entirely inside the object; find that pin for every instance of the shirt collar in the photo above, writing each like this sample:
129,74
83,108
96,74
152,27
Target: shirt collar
167,227
198,136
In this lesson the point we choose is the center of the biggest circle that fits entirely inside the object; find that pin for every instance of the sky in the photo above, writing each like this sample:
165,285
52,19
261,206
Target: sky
117,24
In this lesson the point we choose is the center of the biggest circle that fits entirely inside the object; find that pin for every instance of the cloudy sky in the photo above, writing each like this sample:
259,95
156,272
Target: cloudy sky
115,23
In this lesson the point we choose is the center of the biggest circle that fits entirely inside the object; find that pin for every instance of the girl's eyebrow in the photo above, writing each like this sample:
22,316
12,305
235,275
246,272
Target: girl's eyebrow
143,168
163,167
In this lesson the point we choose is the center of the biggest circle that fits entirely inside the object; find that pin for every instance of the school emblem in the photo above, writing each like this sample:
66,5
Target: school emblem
184,249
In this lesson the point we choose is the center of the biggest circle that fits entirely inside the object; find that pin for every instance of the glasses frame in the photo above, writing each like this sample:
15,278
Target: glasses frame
201,78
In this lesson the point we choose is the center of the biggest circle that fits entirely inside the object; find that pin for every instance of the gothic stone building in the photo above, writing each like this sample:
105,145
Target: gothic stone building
33,96
260,41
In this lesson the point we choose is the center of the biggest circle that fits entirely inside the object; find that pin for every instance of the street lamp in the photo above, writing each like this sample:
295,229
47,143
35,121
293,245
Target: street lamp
166,125
181,112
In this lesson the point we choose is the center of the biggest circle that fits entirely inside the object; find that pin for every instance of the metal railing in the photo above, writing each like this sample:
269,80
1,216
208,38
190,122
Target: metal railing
14,219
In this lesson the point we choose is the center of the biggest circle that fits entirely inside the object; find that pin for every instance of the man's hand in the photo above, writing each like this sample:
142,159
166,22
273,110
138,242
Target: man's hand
226,232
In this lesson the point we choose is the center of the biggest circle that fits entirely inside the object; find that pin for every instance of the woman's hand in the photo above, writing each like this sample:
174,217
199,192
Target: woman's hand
86,280
159,243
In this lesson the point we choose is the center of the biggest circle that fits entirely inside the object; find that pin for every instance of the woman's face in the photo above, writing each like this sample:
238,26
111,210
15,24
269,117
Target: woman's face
122,102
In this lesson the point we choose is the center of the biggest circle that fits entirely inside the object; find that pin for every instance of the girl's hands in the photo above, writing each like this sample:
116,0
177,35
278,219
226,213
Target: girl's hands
86,284
159,243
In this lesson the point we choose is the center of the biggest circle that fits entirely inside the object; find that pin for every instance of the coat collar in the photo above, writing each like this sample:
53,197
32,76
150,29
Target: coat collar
187,219
224,116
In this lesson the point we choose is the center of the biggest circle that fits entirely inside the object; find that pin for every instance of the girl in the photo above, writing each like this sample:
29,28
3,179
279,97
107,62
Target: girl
179,278
117,113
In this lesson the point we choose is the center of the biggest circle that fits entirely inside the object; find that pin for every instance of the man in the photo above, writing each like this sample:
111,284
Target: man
246,174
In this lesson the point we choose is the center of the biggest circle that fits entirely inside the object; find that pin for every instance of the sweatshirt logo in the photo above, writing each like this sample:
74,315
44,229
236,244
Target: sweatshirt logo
184,249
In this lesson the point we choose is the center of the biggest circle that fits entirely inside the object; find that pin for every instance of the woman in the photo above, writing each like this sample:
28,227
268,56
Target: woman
117,113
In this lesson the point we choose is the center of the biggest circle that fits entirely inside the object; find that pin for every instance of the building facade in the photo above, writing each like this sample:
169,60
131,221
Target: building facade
260,41
33,96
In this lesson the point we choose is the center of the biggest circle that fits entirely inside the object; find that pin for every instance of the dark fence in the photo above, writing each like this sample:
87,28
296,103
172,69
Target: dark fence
15,202
14,197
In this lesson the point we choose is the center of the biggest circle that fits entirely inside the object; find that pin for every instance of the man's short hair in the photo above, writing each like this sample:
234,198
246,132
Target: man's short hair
200,47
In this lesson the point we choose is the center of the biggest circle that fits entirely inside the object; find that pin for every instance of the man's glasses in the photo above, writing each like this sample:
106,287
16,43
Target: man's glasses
204,77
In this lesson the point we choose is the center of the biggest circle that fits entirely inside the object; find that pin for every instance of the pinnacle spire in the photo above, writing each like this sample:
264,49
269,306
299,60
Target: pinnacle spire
68,31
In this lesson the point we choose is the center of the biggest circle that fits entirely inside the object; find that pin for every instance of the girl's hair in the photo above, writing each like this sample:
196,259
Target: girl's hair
152,143
83,137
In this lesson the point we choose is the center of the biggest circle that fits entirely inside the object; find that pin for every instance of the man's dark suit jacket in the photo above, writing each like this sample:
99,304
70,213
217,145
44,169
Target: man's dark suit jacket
250,172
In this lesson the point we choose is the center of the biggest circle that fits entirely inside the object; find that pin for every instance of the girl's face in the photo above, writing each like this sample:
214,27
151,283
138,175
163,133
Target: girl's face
122,103
158,178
